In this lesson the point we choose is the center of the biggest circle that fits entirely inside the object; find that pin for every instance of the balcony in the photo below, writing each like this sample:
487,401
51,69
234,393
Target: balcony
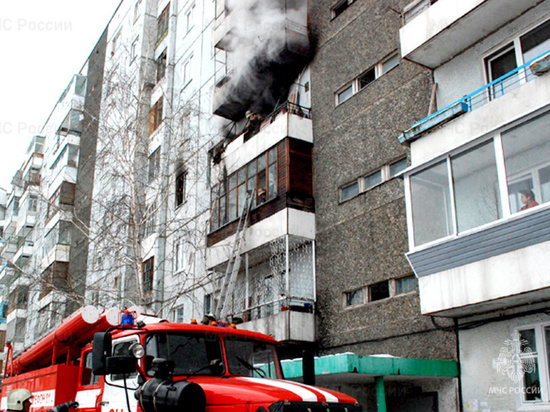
275,289
478,205
507,99
25,249
448,27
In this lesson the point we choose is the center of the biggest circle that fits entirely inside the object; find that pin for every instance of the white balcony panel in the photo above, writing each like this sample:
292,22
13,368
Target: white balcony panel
514,105
222,31
239,153
60,253
449,26
285,326
286,222
490,284
66,174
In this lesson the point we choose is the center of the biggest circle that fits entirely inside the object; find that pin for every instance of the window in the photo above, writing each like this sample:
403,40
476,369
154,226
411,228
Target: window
259,176
373,179
431,204
162,23
150,220
189,22
161,66
364,183
115,43
339,7
147,268
177,314
532,346
486,184
155,116
154,164
33,203
527,157
518,52
405,284
187,77
476,190
355,297
345,94
134,50
366,78
180,188
136,10
208,304
349,191
88,377
379,291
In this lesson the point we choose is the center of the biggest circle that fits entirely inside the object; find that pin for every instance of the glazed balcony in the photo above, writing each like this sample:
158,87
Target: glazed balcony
476,241
447,27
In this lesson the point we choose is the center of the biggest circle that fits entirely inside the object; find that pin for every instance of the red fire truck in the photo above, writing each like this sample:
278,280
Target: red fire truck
126,363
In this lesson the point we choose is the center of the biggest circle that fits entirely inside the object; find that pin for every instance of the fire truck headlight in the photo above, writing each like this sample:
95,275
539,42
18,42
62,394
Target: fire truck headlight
137,350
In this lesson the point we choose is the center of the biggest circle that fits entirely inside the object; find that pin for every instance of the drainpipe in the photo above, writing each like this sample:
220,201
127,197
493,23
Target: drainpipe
380,394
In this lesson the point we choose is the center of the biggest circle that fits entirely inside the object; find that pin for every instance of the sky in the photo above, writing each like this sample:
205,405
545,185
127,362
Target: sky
43,43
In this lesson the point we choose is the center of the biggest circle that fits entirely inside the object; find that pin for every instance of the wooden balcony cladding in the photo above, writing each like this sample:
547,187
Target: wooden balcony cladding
294,187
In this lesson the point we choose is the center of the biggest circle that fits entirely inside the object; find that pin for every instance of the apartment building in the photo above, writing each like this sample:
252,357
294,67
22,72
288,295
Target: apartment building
46,215
477,192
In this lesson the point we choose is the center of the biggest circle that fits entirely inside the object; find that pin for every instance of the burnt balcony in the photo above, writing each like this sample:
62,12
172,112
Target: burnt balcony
447,27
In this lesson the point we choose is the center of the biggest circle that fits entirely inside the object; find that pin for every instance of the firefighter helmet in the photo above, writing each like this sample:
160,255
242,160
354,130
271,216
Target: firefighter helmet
17,397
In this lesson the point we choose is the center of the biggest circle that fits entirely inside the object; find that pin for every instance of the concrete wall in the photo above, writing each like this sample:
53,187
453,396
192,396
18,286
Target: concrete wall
363,241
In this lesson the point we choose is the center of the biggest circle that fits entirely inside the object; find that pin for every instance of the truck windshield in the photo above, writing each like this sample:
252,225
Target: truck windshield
192,353
251,358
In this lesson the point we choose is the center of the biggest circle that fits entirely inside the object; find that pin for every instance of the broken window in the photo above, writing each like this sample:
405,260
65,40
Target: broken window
180,188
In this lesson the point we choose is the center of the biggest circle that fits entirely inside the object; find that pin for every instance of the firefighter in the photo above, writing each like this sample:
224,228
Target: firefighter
19,400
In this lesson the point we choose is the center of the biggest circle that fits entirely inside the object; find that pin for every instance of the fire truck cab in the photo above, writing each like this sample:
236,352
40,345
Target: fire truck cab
150,365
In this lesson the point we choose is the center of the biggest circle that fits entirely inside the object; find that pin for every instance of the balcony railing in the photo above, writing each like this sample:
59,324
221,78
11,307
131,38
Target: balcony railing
479,98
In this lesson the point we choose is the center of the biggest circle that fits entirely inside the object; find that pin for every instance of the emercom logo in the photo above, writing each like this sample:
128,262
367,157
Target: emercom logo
515,359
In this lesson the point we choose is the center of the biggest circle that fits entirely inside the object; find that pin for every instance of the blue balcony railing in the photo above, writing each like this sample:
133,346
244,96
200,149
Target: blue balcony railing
479,98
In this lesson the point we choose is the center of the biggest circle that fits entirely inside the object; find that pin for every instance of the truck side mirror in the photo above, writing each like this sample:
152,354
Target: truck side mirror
102,350
121,365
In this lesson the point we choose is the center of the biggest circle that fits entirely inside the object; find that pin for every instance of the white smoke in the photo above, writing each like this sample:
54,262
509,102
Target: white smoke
261,32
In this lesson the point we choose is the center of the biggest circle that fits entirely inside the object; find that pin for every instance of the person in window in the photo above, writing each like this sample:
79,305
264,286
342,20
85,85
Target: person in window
528,199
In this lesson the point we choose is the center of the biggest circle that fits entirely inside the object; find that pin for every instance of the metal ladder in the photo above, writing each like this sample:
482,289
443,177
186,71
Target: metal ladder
234,263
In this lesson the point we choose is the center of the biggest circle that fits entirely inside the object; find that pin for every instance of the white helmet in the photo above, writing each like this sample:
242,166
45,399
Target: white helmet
17,397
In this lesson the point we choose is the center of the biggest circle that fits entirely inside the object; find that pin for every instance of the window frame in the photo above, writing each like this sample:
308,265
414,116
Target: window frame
543,364
502,179
163,23
148,275
362,187
156,115
247,178
356,85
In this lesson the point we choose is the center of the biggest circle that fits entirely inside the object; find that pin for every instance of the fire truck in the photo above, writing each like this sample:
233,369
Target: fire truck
126,362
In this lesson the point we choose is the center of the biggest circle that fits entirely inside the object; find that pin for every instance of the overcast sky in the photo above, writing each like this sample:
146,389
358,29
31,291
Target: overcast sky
43,43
